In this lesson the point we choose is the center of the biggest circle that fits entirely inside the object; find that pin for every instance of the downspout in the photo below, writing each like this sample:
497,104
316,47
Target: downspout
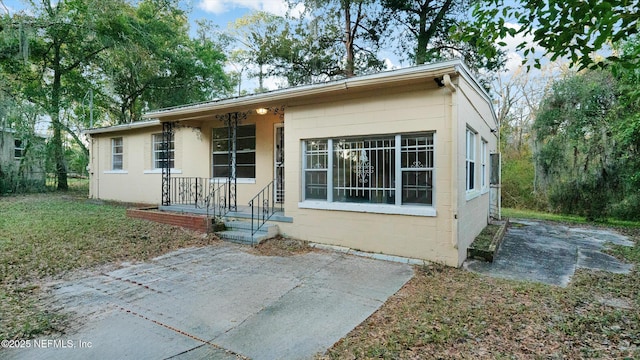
446,81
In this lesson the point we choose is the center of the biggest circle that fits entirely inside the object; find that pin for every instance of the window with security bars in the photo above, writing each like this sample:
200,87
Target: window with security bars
245,152
116,153
392,169
364,170
316,160
417,169
159,153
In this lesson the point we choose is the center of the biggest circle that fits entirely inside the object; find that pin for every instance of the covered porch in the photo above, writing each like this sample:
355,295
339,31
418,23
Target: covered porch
244,169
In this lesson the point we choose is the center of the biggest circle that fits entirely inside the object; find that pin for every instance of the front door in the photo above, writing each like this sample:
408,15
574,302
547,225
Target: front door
279,162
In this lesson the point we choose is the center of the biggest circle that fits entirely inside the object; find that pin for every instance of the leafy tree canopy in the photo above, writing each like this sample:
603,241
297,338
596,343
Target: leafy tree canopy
573,29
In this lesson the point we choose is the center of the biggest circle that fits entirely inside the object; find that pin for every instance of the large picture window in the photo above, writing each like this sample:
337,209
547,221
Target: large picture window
245,152
116,153
159,154
391,170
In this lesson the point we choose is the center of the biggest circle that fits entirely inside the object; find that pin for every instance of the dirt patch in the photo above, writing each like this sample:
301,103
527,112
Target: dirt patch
282,246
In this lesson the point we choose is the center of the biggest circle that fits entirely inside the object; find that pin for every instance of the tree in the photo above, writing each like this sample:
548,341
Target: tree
155,64
353,29
577,153
572,29
434,31
70,34
258,34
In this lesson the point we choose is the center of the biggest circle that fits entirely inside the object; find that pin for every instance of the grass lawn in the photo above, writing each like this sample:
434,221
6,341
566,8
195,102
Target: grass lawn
43,236
441,313
446,313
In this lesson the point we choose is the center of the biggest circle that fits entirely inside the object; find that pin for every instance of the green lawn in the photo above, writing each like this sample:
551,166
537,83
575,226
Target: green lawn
537,215
47,235
441,313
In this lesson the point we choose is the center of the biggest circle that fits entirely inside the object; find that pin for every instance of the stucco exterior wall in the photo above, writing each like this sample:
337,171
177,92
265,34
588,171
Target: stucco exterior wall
138,182
398,111
440,234
473,206
265,133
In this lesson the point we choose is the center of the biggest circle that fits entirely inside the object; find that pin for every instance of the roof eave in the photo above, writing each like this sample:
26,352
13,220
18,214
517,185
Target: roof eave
290,94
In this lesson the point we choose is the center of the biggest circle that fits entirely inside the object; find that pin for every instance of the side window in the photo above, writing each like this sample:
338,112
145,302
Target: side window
159,155
18,149
471,160
117,152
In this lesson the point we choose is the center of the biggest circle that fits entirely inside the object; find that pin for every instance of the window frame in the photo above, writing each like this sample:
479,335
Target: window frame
156,163
483,164
399,149
18,147
243,151
470,160
114,154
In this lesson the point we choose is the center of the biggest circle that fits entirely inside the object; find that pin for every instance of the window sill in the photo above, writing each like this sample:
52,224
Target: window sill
411,210
484,190
159,171
116,172
472,194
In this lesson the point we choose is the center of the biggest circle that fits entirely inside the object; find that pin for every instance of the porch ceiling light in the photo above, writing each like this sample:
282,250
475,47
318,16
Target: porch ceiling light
261,111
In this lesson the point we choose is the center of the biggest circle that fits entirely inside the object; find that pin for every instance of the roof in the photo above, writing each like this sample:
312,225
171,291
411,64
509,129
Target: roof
124,127
409,75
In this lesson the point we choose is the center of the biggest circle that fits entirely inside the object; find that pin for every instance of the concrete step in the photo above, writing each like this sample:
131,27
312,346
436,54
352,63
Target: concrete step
240,232
270,229
242,237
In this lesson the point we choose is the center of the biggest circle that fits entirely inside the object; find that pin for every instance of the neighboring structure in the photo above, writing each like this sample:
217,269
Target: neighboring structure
396,162
21,162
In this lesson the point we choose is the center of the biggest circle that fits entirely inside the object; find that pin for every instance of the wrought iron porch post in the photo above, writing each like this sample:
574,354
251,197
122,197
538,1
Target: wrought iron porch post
232,127
167,134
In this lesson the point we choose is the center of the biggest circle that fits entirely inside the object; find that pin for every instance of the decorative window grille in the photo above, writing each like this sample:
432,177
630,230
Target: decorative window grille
364,170
116,153
245,152
471,160
417,169
371,170
159,156
316,160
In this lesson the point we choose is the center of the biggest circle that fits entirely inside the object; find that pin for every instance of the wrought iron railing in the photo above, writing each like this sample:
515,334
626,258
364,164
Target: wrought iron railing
202,193
263,206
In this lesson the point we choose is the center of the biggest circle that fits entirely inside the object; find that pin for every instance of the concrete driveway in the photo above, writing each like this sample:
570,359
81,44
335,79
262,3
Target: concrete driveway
217,302
550,253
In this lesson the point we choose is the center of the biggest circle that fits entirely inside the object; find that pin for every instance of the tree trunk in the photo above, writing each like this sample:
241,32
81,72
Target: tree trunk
349,70
54,112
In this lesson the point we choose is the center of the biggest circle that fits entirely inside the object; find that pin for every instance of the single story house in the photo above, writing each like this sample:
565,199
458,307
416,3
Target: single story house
21,161
396,162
